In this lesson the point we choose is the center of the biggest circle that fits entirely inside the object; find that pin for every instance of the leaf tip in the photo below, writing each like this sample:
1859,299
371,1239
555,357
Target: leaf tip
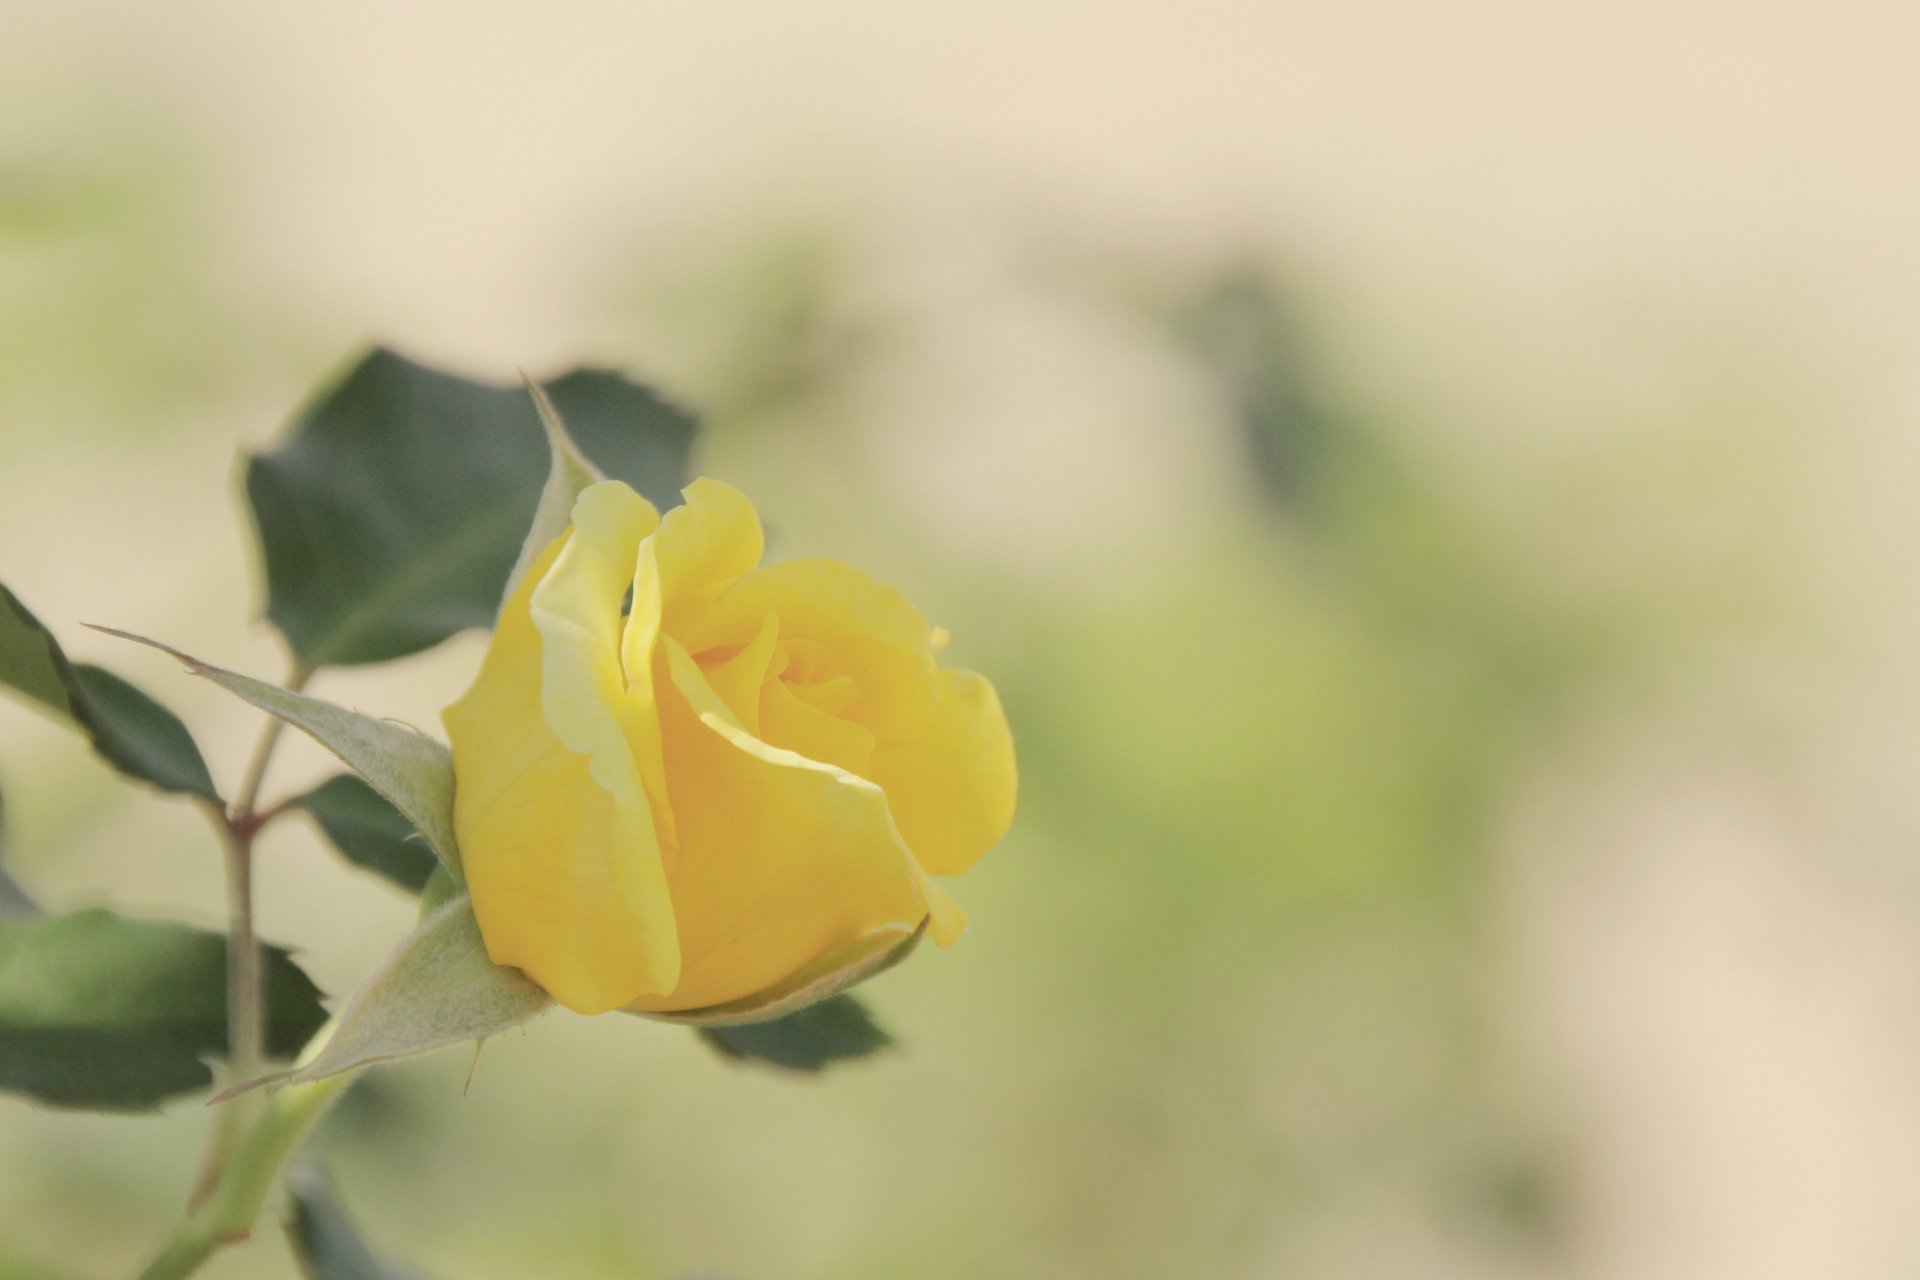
191,663
559,439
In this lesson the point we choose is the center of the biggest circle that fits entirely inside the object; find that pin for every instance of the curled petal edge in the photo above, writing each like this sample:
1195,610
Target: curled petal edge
871,954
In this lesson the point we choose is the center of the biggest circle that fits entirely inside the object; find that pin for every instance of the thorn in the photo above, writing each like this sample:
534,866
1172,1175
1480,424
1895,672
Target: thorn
271,1080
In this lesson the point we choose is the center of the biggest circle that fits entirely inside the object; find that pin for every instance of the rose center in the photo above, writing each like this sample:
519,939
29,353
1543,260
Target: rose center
808,673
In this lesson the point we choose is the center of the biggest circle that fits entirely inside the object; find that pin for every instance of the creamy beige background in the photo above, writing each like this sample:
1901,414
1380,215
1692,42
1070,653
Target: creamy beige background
1642,281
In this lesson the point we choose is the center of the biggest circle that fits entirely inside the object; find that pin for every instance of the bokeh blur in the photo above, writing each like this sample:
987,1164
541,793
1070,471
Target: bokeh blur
1433,484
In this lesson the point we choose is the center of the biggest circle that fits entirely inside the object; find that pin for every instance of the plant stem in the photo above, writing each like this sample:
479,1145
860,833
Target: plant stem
227,1214
245,1045
252,1135
238,825
245,1051
247,797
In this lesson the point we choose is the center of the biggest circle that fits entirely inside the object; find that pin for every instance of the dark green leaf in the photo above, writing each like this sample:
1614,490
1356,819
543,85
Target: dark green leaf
805,1041
140,737
327,1244
100,1011
14,901
30,661
132,732
392,514
369,831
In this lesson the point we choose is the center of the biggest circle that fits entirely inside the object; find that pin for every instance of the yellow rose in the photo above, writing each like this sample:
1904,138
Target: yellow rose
686,781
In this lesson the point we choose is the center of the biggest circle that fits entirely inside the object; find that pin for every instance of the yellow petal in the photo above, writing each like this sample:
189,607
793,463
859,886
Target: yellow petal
861,628
868,956
698,549
737,677
787,721
537,832
782,860
952,791
640,711
946,918
576,609
704,545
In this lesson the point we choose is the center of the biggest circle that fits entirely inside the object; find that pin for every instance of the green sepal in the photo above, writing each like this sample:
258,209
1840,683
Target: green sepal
437,989
569,472
413,772
439,890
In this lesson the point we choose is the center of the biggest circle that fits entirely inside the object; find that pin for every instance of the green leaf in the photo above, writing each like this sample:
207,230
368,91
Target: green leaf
370,831
30,660
391,515
325,1241
100,1011
867,957
132,732
14,901
412,771
437,989
831,1031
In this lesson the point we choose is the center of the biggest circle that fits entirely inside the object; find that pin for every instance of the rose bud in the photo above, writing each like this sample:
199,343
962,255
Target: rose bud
691,786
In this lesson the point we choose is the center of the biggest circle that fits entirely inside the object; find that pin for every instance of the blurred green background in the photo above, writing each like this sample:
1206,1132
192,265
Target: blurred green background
1433,485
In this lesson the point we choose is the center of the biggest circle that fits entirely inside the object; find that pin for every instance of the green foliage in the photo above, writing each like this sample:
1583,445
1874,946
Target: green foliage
131,732
412,771
391,516
370,831
810,1040
324,1238
30,660
100,1011
1312,455
14,901
437,989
